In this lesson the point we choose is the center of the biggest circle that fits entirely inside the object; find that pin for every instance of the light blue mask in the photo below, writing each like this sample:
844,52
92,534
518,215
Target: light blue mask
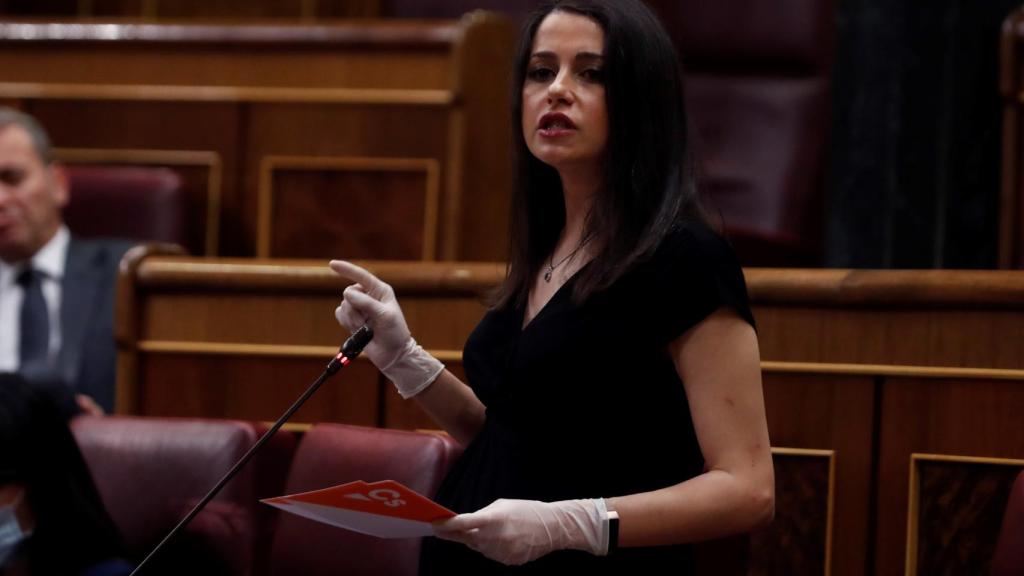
11,534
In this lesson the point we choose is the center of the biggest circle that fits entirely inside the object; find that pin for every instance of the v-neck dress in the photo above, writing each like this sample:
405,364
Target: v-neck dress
585,402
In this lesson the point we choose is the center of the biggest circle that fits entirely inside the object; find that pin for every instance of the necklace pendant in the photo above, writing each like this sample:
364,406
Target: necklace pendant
547,276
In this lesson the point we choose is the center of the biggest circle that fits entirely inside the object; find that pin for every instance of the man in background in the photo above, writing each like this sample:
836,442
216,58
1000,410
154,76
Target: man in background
56,291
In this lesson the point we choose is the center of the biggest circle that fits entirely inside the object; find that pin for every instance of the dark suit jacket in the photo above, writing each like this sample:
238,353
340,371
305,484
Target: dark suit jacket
87,358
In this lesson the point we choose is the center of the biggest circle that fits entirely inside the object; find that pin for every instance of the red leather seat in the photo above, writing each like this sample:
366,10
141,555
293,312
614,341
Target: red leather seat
151,471
331,454
757,81
137,203
1009,556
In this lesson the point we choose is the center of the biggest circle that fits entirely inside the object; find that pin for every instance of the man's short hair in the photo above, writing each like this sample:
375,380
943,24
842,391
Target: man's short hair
40,140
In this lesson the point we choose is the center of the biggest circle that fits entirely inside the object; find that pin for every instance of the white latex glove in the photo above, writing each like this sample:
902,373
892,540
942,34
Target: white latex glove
518,531
392,350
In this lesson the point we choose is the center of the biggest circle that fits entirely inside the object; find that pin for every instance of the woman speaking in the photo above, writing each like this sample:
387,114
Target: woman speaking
613,412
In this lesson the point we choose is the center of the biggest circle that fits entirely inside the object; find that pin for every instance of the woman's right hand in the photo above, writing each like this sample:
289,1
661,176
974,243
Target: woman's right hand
392,350
371,301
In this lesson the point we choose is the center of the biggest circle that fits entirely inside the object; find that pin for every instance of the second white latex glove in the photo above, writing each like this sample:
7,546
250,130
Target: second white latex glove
392,350
518,531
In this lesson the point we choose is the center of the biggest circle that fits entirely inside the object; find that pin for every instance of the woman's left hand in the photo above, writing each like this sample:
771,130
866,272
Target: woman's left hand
518,531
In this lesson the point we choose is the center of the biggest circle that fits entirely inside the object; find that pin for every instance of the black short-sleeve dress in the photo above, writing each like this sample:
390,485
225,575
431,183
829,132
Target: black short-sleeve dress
585,402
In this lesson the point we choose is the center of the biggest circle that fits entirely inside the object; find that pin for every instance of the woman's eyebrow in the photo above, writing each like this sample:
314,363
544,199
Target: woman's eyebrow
546,54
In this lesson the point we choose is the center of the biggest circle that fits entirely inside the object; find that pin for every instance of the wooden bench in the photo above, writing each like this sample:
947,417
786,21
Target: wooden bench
364,138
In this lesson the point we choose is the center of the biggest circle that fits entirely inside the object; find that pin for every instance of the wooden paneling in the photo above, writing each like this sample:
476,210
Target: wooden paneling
383,91
231,312
227,9
348,207
908,318
956,508
954,416
799,541
984,338
945,353
832,412
111,7
254,387
200,9
372,55
351,214
162,134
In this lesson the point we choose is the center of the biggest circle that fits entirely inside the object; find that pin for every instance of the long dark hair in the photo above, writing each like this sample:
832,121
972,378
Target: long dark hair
73,530
649,180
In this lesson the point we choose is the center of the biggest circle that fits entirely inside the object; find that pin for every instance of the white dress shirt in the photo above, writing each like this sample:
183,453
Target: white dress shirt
50,261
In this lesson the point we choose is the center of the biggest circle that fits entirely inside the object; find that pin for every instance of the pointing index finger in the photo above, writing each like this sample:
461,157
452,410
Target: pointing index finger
359,275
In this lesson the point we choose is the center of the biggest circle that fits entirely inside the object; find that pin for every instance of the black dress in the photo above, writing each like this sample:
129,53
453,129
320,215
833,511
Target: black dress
585,402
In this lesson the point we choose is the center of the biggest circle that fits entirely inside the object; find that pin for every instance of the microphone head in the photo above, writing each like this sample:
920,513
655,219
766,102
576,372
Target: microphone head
357,341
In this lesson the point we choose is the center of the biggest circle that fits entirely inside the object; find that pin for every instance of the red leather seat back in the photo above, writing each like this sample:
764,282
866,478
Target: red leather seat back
784,36
761,144
270,469
1009,556
332,454
151,471
138,203
757,81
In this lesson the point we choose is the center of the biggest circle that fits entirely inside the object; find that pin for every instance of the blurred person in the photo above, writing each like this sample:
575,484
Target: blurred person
56,290
52,519
613,412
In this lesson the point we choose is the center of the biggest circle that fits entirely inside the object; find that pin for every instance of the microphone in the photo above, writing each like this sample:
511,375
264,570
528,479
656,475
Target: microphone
348,352
350,349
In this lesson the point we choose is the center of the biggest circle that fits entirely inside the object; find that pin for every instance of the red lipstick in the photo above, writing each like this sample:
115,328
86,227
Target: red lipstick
555,124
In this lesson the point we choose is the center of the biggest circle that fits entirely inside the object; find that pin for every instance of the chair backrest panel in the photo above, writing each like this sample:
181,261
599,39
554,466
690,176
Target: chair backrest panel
151,471
332,454
134,202
792,36
733,120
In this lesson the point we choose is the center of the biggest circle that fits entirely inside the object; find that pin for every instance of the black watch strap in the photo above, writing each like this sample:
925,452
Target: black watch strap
613,531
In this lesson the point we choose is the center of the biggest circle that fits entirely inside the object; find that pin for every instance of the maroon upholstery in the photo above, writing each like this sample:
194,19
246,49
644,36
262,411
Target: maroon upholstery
151,471
757,81
137,203
270,469
1009,556
779,35
331,454
761,144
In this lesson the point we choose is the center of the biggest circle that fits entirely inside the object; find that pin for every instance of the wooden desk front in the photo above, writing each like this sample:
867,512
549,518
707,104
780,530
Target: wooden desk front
373,139
894,396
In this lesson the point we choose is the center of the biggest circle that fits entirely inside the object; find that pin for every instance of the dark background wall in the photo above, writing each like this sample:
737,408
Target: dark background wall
915,153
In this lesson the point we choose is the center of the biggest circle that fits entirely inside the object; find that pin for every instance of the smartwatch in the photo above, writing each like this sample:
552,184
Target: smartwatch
613,531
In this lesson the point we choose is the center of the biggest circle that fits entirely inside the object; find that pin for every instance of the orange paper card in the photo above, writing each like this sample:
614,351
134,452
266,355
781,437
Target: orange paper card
386,509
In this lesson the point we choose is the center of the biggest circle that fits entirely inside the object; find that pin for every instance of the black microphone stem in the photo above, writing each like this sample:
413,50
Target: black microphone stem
352,347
